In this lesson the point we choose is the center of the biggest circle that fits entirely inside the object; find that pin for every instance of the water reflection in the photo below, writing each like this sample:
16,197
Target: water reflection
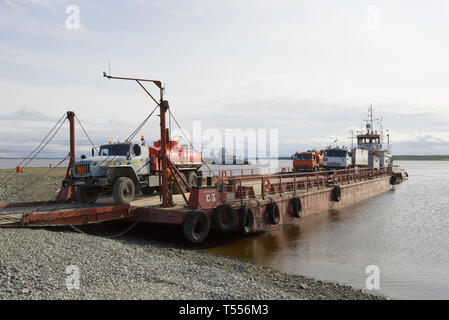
404,232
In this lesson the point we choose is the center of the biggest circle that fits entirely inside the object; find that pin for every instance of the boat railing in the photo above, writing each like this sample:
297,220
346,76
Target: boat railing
262,186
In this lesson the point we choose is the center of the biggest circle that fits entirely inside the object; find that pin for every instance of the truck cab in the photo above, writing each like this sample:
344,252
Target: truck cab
337,158
126,169
120,169
307,161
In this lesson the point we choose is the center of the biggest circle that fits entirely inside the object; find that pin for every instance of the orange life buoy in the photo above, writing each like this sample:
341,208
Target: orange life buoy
266,185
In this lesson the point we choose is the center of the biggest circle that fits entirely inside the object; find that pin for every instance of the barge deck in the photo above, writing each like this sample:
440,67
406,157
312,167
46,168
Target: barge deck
246,204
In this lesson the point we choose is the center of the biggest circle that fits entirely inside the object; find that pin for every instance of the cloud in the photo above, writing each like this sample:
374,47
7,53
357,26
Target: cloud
188,12
26,114
302,69
140,3
49,4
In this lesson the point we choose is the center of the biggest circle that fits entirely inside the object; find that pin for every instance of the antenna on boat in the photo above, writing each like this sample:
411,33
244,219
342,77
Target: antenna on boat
352,138
370,121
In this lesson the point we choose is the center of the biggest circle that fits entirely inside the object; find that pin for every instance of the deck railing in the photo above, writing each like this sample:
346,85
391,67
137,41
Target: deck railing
243,171
239,188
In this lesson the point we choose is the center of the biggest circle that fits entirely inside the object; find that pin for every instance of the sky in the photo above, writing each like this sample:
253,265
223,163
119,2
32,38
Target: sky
308,69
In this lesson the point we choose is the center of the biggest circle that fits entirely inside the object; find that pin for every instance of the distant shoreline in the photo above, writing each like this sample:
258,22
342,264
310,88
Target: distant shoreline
5,158
422,158
407,157
398,157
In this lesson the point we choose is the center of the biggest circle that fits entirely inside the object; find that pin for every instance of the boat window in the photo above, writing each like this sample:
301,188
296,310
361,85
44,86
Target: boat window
114,150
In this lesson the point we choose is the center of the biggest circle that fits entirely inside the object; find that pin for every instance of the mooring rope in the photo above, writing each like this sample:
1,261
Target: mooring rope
108,237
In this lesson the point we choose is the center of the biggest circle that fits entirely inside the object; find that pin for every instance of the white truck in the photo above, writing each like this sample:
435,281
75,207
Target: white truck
124,169
360,157
343,158
337,158
119,169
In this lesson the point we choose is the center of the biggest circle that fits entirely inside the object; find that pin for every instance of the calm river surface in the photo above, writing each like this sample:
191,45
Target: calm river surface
404,232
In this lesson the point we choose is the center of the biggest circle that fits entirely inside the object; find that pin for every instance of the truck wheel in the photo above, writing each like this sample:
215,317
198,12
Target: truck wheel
86,195
196,226
123,190
191,177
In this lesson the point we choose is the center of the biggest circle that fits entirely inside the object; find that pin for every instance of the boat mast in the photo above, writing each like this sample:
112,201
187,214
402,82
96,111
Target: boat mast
370,120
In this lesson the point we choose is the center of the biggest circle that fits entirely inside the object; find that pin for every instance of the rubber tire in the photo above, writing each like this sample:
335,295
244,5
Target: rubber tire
86,195
246,220
273,213
336,194
297,207
191,177
224,209
117,190
393,179
191,223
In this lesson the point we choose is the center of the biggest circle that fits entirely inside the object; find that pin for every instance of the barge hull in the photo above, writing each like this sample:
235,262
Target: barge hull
313,201
259,194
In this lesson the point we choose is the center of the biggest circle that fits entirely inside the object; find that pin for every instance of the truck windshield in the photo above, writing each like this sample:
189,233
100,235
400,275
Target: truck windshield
336,153
303,157
114,150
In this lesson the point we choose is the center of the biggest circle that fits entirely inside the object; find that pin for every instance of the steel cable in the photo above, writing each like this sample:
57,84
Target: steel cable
38,147
79,122
191,145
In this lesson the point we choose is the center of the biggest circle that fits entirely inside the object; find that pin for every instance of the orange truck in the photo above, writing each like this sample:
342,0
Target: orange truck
310,160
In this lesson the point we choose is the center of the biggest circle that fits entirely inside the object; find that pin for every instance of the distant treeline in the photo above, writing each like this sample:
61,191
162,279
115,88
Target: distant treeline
430,157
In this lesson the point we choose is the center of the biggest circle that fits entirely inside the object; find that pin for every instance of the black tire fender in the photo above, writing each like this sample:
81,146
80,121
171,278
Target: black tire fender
273,213
196,226
297,207
336,194
393,179
224,217
246,220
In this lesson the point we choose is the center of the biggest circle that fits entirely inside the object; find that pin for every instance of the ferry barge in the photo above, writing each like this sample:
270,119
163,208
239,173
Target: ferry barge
244,203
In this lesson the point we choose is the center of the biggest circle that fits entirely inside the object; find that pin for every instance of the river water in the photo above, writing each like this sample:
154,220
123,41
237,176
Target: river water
405,233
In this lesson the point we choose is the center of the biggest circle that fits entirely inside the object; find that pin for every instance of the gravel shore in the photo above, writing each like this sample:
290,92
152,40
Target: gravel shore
34,184
33,264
